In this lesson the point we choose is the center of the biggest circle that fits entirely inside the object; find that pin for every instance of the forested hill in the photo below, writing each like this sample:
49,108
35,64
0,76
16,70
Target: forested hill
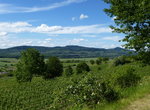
65,52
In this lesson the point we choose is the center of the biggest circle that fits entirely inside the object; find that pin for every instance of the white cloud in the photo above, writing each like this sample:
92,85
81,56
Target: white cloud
83,16
70,30
14,27
88,35
7,42
9,8
48,39
19,27
2,34
76,41
113,38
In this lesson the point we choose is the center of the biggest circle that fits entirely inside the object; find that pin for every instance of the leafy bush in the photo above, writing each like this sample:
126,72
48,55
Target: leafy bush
99,68
82,67
144,57
99,60
68,71
91,91
105,59
120,61
54,68
92,62
31,63
128,79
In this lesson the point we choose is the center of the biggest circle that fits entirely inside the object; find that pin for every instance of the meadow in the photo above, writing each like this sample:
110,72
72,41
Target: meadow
75,92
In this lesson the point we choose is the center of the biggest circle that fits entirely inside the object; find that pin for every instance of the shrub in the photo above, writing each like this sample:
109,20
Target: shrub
91,91
144,57
68,71
82,67
92,62
99,68
105,59
99,60
54,68
128,79
120,61
31,63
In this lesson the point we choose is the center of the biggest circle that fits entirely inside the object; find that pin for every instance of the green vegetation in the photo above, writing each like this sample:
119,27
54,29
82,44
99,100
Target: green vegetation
53,68
120,61
92,62
109,88
112,84
128,79
68,71
82,67
132,19
65,52
31,63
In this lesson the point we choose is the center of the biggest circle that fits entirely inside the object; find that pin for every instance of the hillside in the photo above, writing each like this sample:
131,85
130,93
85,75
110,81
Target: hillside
79,91
65,52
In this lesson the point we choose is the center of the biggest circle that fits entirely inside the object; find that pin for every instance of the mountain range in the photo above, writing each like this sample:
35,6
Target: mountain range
71,51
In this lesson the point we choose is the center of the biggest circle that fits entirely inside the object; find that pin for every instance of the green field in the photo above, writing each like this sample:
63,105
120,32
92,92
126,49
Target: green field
54,94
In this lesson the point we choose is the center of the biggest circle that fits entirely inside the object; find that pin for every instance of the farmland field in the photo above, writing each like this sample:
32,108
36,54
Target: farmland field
52,94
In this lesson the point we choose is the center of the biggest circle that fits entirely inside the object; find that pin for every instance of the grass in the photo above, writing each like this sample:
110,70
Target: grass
43,94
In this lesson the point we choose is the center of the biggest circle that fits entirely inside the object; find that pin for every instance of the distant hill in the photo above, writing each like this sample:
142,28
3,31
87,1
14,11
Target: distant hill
65,52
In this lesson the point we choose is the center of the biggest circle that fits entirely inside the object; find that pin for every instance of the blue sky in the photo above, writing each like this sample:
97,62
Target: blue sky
56,23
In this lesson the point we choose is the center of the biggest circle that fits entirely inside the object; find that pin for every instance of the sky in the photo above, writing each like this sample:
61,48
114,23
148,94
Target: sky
53,23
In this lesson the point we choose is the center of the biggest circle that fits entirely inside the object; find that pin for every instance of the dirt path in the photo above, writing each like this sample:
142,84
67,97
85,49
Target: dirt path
141,104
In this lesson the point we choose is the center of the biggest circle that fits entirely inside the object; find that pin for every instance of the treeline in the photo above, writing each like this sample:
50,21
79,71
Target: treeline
31,63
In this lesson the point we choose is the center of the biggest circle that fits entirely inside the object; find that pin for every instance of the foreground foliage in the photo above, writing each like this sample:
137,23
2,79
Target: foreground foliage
132,19
95,90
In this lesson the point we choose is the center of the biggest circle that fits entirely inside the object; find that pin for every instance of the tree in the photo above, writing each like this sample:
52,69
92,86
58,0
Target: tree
31,63
105,59
68,71
132,18
120,61
99,60
92,62
82,67
54,68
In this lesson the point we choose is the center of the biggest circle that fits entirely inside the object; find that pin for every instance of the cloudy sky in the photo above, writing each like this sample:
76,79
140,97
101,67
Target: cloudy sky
56,23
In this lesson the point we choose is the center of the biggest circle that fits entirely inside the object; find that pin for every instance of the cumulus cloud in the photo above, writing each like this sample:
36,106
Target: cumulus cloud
19,27
83,16
113,38
43,28
14,27
9,8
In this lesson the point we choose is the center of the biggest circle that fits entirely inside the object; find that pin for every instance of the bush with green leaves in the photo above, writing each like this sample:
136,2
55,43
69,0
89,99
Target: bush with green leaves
92,62
68,71
91,90
105,59
82,67
120,61
30,63
99,60
54,68
128,79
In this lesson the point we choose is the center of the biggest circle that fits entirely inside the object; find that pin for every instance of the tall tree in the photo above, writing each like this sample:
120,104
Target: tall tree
31,63
132,17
